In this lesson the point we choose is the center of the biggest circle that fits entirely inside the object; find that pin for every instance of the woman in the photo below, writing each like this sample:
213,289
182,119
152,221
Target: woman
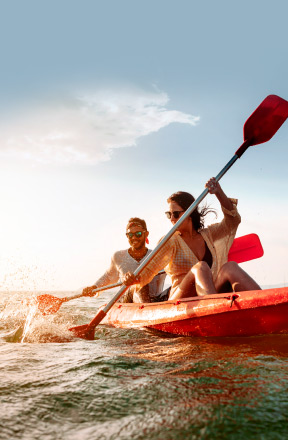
196,257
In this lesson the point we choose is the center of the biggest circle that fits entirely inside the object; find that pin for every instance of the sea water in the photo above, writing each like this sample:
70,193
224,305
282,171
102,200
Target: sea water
134,384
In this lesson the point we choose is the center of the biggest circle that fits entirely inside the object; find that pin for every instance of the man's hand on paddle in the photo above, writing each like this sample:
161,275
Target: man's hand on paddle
88,291
129,279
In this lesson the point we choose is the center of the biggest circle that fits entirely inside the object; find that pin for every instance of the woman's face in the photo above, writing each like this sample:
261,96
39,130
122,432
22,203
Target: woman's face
176,212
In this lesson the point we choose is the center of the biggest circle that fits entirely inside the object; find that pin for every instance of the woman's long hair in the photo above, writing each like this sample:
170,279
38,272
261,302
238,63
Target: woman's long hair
184,200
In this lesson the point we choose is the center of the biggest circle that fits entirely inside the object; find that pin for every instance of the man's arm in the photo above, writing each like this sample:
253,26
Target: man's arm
111,276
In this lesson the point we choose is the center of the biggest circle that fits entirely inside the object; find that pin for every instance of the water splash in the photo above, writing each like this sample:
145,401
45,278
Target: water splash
32,311
22,322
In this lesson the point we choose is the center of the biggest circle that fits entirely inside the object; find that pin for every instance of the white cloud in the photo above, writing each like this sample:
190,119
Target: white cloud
86,128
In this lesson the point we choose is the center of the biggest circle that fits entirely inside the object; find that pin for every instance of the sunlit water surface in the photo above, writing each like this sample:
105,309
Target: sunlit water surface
134,384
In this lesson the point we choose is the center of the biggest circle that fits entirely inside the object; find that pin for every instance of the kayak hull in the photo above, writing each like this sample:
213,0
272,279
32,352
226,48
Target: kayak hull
240,314
265,320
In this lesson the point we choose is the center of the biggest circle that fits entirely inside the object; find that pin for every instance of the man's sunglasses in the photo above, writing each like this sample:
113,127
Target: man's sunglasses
176,214
137,234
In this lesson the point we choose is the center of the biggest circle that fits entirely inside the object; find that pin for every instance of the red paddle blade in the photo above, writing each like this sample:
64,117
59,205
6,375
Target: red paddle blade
87,331
48,304
83,331
246,248
266,120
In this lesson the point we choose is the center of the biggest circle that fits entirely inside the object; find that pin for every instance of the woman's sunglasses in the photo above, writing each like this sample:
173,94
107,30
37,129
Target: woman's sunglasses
137,234
176,214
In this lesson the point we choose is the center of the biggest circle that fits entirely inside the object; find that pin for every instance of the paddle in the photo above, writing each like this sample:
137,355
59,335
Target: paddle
49,304
259,128
245,248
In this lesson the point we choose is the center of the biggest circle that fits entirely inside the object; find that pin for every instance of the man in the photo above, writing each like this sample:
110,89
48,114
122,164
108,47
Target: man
128,260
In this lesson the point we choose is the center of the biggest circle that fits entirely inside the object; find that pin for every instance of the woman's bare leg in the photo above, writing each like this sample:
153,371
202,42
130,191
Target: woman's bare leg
239,280
203,279
198,281
186,288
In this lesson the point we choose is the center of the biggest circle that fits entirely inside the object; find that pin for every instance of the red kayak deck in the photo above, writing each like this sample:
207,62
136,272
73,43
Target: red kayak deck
240,314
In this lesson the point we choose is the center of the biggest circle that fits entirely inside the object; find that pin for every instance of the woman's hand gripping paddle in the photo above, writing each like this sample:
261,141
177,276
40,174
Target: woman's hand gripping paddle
259,128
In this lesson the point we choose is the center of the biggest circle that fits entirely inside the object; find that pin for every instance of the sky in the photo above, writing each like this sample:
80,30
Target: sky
109,107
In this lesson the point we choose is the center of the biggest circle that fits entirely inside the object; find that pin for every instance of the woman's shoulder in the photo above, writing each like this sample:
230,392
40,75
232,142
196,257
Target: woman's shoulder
173,239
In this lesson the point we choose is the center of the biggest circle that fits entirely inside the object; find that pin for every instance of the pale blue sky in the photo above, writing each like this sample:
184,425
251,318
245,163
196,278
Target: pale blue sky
80,80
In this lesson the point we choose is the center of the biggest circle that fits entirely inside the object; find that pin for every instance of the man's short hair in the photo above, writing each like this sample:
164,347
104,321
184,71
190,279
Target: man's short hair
135,221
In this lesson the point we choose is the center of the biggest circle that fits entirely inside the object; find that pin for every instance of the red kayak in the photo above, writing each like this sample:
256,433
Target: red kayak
245,313
239,314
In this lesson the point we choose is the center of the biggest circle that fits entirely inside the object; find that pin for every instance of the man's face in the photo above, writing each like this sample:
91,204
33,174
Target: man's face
136,240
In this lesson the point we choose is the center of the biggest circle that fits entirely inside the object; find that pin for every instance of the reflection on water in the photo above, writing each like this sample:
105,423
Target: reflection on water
134,384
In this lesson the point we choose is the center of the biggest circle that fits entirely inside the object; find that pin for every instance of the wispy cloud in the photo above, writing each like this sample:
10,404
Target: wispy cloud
86,128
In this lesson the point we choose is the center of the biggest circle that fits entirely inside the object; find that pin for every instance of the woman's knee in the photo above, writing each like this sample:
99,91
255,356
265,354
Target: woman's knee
229,268
200,267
